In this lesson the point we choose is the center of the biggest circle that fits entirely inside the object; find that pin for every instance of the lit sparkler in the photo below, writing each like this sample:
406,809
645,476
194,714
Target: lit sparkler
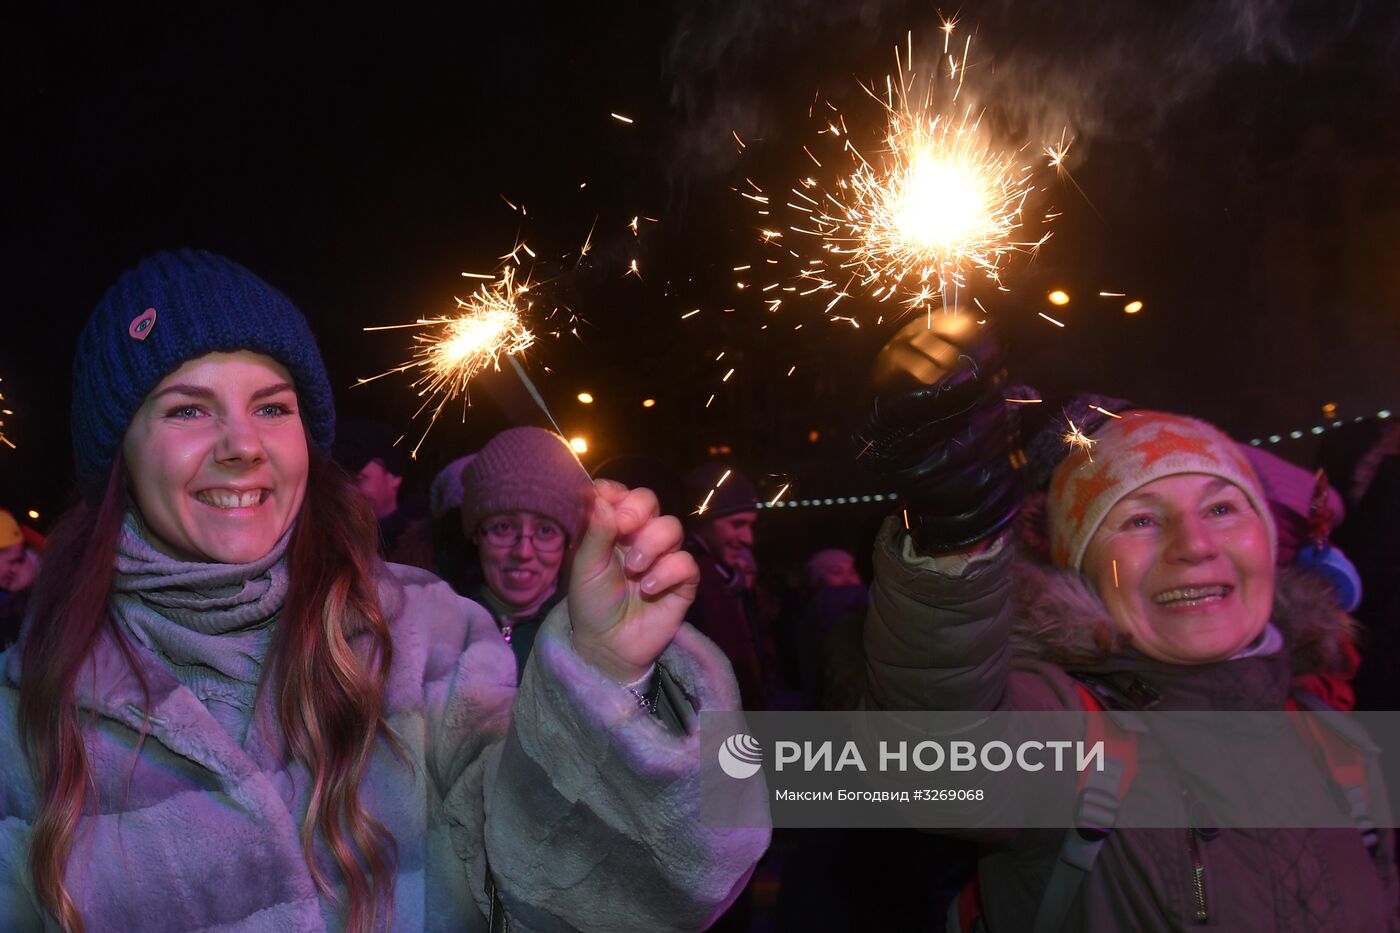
938,204
454,350
1076,439
5,411
705,505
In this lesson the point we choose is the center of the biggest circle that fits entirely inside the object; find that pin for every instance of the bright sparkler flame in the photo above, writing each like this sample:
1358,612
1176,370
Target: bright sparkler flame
5,411
939,203
475,341
452,351
1076,439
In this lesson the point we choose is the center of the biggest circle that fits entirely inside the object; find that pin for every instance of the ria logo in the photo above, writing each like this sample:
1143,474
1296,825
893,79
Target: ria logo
740,756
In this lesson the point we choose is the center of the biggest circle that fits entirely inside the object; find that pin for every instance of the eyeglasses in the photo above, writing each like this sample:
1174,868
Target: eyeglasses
545,537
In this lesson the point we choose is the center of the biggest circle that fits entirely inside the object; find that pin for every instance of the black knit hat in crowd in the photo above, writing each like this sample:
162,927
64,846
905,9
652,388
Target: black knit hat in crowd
360,440
171,308
720,489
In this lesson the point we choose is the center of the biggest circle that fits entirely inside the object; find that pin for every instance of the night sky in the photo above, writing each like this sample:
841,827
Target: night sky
1238,166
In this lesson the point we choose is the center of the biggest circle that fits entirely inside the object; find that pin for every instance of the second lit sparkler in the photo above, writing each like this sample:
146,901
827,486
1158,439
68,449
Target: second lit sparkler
938,204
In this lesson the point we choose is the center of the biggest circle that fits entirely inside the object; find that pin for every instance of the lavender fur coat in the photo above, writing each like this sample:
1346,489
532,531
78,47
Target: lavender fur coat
587,807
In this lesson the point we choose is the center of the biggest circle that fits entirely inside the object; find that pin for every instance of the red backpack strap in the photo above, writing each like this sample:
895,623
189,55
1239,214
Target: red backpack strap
1119,744
1099,796
965,913
1341,748
1096,807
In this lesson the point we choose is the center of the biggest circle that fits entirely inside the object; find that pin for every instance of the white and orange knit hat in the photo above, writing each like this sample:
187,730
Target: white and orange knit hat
1128,452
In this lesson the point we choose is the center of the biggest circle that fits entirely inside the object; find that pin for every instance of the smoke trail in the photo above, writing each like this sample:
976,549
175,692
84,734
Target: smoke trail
1102,70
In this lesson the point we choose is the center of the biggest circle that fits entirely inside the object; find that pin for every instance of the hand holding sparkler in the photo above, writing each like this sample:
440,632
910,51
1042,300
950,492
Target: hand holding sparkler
940,428
631,584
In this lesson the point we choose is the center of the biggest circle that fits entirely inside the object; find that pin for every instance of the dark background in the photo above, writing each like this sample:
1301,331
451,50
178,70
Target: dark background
1238,162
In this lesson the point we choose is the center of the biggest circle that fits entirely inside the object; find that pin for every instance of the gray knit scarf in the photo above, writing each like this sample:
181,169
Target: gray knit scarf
211,623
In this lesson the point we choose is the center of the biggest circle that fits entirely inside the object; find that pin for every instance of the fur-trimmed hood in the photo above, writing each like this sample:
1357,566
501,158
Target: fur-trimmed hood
1061,620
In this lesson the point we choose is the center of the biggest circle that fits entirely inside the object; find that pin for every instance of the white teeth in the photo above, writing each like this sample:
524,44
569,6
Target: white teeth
228,499
1192,594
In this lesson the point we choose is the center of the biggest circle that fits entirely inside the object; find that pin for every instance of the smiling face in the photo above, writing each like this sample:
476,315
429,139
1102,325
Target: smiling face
1185,567
218,459
521,553
728,537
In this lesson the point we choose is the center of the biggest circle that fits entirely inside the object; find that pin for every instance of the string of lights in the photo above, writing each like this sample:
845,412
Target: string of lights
865,499
1299,434
833,500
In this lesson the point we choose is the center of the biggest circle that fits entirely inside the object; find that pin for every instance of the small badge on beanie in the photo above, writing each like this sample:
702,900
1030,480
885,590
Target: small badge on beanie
142,324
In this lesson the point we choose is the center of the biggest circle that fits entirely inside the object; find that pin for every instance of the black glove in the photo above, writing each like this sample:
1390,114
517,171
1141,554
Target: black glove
940,429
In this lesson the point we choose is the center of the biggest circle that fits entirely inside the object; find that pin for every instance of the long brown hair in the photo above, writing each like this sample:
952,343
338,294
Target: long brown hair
329,662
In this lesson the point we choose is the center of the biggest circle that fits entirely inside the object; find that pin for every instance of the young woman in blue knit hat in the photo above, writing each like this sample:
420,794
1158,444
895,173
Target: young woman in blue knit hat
226,712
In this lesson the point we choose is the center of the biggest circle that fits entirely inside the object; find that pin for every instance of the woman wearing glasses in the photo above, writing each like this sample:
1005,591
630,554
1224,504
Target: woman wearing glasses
522,508
226,712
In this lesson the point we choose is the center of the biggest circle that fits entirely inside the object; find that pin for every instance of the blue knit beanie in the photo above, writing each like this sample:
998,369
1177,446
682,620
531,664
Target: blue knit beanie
171,308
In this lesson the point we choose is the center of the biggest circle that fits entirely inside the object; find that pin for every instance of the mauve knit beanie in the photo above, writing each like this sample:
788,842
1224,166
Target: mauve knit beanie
526,469
171,308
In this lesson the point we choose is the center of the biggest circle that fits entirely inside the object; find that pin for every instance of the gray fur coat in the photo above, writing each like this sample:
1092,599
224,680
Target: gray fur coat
586,806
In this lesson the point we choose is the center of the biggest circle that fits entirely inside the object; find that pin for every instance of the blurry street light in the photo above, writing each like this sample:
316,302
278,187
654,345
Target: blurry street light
1058,297
586,398
579,444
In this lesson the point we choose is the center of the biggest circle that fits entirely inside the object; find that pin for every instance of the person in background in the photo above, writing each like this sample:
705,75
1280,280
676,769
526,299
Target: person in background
445,491
437,543
366,450
524,498
1371,537
1306,509
724,608
19,566
829,675
832,567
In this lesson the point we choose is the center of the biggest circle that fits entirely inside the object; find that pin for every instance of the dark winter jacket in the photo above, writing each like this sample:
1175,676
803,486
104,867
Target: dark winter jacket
1006,634
723,614
519,633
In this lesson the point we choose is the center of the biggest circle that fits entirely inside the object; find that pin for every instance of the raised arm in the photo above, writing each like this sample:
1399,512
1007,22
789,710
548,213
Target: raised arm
936,634
589,809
